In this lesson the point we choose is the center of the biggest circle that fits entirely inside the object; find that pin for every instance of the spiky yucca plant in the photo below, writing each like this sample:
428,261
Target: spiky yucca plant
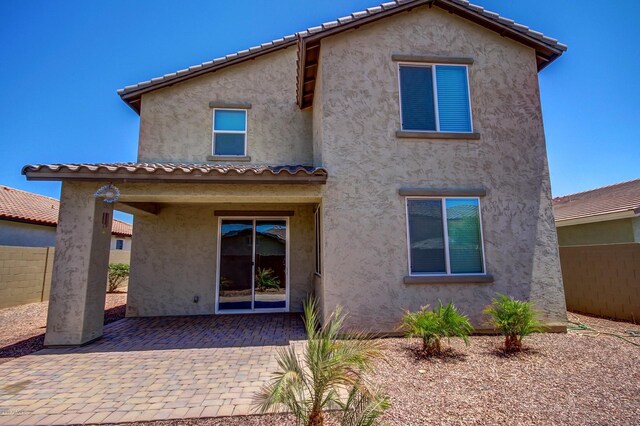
433,325
514,318
266,279
330,365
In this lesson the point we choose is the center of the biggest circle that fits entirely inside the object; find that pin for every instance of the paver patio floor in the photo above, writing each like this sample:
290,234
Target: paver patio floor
149,368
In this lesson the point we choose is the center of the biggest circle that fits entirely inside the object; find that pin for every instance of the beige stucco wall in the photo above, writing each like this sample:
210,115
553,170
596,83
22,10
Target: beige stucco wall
365,238
126,243
174,256
176,122
609,232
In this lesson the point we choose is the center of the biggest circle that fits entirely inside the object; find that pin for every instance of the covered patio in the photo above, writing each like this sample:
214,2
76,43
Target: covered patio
208,239
150,369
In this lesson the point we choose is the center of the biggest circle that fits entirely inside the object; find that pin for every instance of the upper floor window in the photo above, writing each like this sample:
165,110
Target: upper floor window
435,98
445,236
229,132
119,244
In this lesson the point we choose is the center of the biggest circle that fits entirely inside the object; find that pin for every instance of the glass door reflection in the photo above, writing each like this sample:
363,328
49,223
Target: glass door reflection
252,265
271,265
236,265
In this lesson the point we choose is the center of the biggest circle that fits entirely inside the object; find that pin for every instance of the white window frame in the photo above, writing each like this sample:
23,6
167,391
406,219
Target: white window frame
253,309
446,237
318,235
433,66
237,132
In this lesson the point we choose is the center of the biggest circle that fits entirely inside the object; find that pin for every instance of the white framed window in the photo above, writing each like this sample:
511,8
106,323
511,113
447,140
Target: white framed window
444,236
318,229
229,132
434,98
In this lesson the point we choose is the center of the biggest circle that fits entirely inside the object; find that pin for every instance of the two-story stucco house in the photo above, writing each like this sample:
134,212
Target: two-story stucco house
385,160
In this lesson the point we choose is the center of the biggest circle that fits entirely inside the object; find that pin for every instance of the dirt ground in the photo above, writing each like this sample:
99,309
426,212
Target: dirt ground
582,377
22,327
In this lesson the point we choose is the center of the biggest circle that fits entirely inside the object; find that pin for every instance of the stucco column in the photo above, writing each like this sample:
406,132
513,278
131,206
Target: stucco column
78,286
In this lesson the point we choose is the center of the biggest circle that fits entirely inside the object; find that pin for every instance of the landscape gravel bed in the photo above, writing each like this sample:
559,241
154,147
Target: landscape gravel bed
573,378
22,327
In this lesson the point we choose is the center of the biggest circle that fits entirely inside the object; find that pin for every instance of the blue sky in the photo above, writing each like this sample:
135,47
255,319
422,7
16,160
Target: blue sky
62,61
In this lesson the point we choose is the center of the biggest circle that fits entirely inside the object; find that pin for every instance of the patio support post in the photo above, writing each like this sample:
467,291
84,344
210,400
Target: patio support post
78,285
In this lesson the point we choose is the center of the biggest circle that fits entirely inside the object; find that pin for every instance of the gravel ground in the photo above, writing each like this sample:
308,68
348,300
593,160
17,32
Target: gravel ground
22,327
582,377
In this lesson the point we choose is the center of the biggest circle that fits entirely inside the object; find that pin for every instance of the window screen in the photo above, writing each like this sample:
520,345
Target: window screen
445,109
416,86
428,247
426,236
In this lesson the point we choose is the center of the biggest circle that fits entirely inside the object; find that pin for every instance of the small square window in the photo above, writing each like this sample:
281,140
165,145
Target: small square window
435,98
229,132
119,244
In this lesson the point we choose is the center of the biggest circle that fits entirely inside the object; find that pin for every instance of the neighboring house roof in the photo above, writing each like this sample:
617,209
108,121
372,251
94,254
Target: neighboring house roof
188,172
27,207
547,49
611,202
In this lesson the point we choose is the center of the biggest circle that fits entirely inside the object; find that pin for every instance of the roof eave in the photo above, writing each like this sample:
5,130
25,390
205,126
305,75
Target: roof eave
545,54
230,177
310,39
133,98
603,217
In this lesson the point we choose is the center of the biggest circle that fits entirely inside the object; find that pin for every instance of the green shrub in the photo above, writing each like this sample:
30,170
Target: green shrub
434,325
514,318
118,272
331,365
265,279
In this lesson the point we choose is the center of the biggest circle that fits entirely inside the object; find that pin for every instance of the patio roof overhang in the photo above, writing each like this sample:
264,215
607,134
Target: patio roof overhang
177,173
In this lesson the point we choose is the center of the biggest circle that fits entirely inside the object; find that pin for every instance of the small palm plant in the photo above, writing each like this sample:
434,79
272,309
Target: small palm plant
434,325
330,366
514,318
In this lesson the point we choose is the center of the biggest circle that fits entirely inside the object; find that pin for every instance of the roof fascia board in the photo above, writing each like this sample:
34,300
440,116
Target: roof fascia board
169,178
505,31
189,75
28,221
631,213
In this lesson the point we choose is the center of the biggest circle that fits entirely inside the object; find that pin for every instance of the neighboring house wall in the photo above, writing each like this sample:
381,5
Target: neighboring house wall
176,122
174,258
603,279
32,235
364,217
126,243
25,273
609,232
26,234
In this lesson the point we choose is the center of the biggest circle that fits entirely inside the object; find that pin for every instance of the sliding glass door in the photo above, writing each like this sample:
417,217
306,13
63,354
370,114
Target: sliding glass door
252,265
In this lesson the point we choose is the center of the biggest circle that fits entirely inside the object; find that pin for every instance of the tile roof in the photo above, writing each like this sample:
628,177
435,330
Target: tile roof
28,207
183,172
502,24
620,197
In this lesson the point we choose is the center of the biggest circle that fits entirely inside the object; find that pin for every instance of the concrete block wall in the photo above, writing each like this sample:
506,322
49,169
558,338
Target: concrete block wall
603,279
25,273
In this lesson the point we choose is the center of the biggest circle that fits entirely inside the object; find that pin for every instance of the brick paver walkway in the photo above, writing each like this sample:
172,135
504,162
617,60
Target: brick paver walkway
149,369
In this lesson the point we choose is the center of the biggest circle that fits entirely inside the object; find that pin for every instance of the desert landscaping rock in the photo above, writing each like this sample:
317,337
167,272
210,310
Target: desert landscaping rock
576,378
22,327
